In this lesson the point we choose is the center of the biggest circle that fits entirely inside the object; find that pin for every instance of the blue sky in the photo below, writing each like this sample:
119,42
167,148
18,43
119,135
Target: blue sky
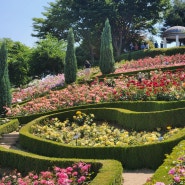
16,19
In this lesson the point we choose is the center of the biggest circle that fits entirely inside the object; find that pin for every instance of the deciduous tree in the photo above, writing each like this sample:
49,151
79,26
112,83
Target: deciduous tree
48,56
128,19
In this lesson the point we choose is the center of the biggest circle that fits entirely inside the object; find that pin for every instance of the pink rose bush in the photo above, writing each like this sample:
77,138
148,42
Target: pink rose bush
77,174
157,85
157,62
38,87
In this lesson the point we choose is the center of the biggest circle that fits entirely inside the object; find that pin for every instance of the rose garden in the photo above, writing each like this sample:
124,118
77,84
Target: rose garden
89,132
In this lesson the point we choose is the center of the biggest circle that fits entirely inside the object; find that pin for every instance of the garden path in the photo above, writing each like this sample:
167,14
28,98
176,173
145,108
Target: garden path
136,177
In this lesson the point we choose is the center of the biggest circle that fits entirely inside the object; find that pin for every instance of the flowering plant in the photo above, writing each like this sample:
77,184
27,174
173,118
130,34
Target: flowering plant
37,87
177,173
83,131
77,174
160,86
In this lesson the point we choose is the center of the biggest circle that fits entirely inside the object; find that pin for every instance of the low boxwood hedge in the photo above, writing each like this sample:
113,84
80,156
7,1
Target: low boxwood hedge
10,126
141,106
135,55
26,162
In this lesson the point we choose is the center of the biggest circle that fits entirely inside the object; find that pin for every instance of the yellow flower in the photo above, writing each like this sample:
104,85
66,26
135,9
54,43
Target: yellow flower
78,113
168,127
158,129
118,143
92,115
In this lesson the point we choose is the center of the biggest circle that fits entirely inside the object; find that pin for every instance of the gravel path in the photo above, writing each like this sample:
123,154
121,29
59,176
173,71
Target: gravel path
136,177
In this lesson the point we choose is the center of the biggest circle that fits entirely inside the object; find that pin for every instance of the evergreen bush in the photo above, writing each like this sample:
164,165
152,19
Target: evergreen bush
5,92
106,51
70,67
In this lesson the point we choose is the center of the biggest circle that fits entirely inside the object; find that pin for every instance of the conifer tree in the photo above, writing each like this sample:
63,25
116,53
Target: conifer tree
106,50
70,66
5,88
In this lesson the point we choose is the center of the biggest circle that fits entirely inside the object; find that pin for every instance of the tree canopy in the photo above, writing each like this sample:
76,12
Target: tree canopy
176,14
18,62
48,56
128,19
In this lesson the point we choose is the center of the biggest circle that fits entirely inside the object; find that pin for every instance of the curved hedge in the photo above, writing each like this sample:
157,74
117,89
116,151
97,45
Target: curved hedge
131,157
25,162
10,126
141,106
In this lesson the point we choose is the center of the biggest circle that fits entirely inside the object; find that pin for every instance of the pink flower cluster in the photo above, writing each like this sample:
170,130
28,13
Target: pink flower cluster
152,63
37,87
77,174
158,86
177,173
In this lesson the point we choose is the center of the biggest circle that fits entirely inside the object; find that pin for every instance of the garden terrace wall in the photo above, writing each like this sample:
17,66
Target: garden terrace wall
131,157
141,106
26,162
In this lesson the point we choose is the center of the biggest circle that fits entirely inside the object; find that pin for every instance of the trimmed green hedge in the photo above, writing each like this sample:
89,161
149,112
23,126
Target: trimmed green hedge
130,157
141,106
135,55
25,162
132,119
10,126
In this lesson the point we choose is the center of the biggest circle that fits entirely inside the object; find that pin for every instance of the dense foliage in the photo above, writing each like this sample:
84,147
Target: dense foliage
153,85
48,57
18,62
176,14
127,18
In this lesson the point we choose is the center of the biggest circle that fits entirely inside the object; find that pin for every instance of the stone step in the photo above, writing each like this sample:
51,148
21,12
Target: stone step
9,139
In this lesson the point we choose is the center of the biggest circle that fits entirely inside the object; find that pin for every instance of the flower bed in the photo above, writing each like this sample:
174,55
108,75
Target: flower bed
37,87
83,131
157,62
167,86
78,173
172,171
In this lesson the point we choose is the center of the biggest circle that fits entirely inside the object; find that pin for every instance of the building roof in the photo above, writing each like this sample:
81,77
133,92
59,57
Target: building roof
171,32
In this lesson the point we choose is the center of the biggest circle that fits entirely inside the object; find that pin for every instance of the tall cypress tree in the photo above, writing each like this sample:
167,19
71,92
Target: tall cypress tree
5,88
106,50
70,67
